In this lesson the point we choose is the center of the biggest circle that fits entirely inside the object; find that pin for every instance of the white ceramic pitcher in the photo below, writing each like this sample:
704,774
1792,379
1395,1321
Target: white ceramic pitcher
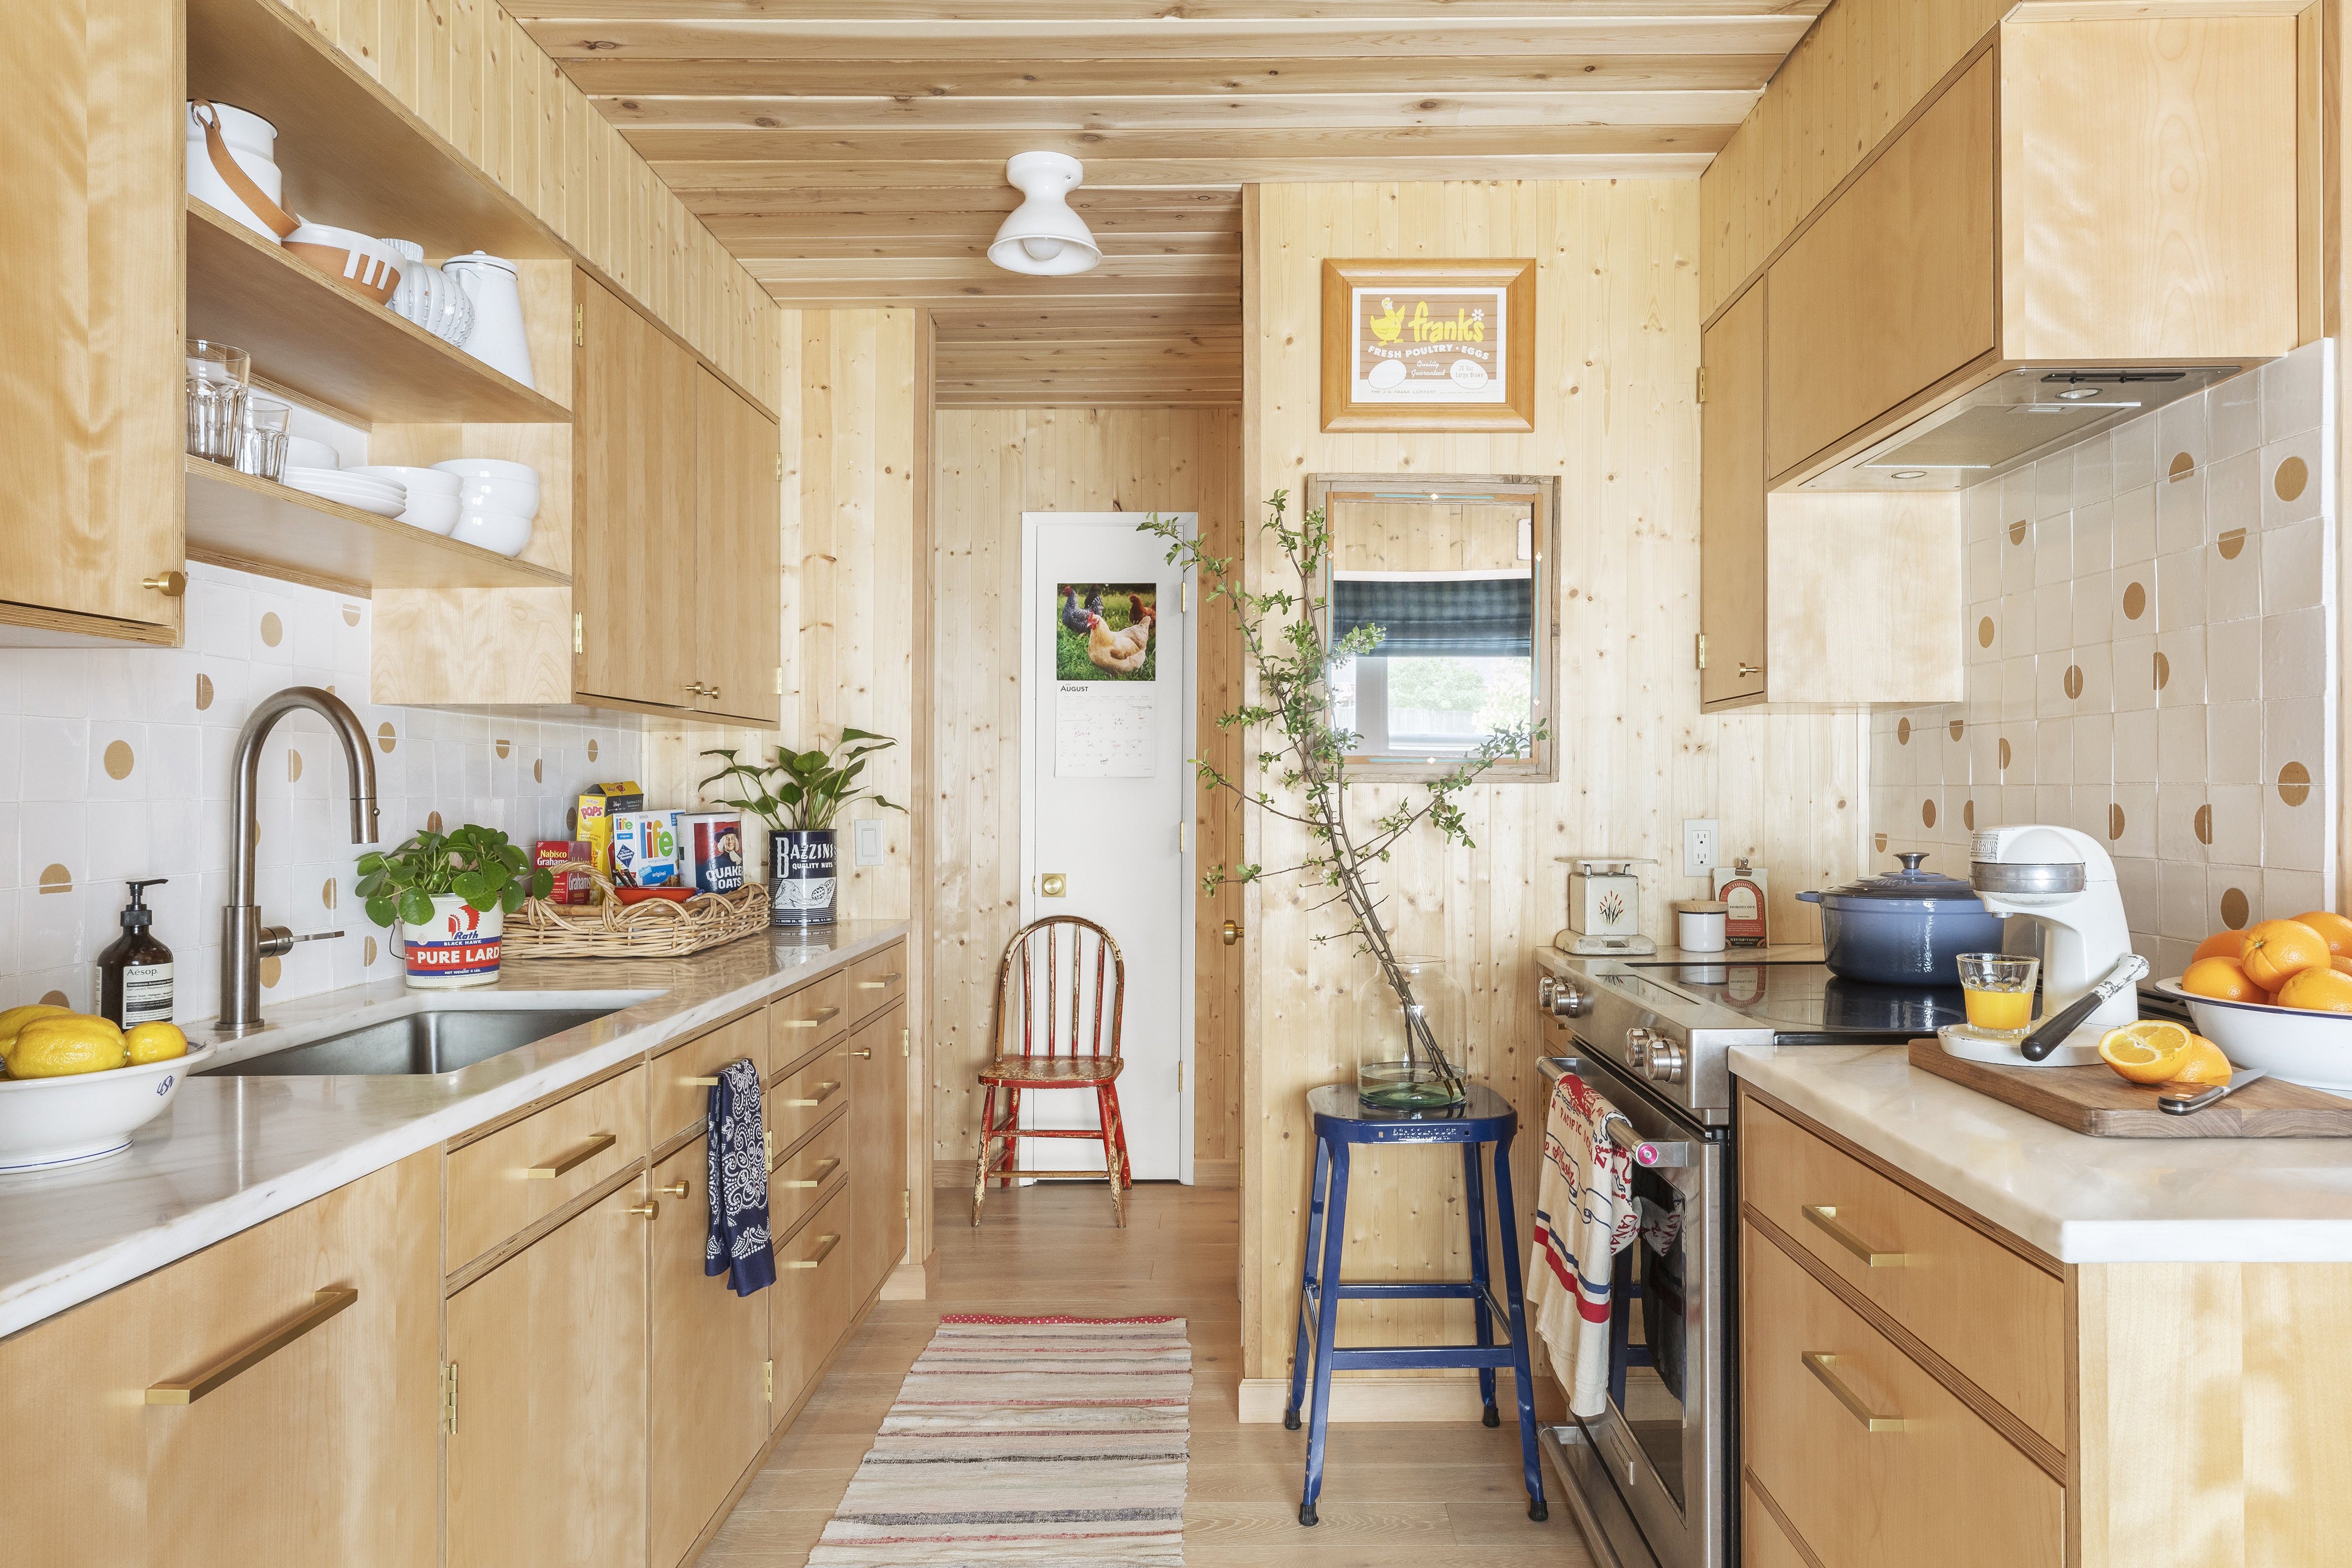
497,339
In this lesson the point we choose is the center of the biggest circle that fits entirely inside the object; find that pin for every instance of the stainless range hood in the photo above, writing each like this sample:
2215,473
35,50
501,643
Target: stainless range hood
2011,420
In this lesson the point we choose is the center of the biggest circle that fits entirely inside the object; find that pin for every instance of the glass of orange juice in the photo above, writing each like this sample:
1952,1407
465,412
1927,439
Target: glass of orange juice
1999,990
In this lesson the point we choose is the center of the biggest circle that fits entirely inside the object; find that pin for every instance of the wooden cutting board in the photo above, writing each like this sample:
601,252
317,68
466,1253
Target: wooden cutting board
2094,1101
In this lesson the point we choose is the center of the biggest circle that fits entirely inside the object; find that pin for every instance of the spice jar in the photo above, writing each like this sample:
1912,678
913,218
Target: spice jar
1699,925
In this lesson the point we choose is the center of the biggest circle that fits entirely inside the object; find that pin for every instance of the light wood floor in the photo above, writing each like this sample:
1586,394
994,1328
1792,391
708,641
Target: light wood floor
1425,1495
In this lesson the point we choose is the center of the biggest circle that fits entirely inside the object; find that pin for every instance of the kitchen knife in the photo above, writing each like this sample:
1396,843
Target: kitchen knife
2185,1099
2044,1040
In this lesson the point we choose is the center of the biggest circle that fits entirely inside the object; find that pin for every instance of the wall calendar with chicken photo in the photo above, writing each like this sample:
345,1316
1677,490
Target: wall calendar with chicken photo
1429,345
1103,631
1104,732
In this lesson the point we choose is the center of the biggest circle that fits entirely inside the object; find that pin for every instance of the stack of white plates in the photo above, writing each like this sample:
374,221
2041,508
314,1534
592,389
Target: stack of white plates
381,496
432,495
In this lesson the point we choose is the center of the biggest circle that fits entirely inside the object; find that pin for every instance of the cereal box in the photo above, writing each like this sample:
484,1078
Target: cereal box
599,803
570,887
710,851
644,848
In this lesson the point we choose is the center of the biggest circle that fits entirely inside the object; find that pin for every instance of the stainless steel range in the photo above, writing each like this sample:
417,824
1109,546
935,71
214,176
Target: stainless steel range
1653,1478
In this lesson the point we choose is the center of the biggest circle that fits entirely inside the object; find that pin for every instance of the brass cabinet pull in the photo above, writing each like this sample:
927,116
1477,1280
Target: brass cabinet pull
865,1055
824,1091
877,985
170,584
1824,1216
1231,931
1818,1362
325,1305
824,1246
648,1209
677,1188
824,1169
822,1014
699,1083
578,1156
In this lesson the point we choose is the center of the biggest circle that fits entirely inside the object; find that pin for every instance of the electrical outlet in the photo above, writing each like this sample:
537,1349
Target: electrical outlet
1699,846
869,840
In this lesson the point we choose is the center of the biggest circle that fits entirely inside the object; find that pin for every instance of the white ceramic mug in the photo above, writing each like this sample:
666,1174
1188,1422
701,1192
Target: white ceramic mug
497,338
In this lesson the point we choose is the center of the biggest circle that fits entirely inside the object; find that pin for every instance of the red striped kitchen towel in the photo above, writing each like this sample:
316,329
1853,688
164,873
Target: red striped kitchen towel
1585,1216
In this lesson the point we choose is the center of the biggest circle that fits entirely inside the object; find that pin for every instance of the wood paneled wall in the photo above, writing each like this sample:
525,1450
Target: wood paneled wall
1617,299
1862,67
993,464
476,79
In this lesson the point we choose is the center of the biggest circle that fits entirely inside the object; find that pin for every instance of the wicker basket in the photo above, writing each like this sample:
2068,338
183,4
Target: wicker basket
652,928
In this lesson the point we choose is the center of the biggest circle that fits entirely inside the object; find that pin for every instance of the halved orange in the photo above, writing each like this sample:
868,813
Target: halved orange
2204,1065
2149,1052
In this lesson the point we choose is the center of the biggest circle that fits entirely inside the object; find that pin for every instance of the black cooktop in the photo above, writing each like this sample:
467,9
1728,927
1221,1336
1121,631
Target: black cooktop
1806,998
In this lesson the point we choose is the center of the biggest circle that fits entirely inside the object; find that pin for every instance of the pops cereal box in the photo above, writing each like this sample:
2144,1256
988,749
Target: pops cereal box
599,804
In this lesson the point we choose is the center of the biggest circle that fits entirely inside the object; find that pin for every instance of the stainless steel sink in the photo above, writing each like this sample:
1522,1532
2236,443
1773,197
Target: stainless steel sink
417,1043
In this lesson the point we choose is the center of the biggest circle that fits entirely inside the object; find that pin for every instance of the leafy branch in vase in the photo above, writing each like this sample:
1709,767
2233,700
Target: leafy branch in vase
1286,636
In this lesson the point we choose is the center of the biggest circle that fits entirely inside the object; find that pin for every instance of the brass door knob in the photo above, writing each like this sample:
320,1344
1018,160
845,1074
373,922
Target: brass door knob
1231,931
677,1188
170,584
1747,670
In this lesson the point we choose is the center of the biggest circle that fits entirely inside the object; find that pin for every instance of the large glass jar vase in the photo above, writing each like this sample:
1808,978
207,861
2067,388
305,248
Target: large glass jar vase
1408,1028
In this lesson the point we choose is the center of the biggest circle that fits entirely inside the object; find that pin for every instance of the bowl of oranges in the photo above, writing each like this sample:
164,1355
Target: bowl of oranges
2277,996
74,1087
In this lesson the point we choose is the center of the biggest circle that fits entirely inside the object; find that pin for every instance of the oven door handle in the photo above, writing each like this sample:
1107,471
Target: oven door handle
1651,1154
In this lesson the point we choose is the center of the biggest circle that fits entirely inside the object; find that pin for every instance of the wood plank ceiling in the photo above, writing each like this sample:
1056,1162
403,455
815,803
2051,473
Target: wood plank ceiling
852,152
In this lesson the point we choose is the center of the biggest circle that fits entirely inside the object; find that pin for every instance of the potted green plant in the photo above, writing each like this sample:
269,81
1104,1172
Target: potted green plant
799,795
450,893
1409,1010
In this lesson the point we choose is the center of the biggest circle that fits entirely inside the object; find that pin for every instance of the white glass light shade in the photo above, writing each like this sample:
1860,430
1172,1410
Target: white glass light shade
1041,237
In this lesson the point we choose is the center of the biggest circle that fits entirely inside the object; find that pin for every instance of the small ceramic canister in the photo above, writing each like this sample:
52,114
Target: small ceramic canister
1699,925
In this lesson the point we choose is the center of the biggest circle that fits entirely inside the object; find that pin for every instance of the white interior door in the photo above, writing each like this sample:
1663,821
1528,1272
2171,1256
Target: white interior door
1107,727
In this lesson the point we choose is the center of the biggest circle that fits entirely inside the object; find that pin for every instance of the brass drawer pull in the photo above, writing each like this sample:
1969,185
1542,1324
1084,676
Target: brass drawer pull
824,1169
877,985
865,1055
822,1015
1825,1216
710,1082
649,1210
824,1091
325,1305
1818,1362
824,1246
677,1188
578,1156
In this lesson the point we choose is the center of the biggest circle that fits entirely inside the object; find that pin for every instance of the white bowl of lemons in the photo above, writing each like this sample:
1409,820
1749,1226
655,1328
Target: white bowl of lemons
77,1087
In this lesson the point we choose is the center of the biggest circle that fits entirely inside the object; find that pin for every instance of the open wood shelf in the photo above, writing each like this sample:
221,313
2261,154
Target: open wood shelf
257,525
310,334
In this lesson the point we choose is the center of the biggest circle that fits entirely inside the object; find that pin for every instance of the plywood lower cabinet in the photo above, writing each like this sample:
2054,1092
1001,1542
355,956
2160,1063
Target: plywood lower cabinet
876,1051
816,1296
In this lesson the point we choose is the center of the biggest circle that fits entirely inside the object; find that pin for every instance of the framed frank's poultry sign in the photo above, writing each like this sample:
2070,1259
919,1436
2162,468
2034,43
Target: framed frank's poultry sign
1429,345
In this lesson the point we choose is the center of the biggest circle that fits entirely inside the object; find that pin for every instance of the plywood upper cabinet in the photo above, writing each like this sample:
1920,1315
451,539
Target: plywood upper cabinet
1732,584
91,315
739,553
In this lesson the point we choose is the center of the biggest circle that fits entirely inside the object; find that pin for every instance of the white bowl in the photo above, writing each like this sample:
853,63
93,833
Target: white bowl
56,1120
501,495
419,481
301,452
489,468
434,513
2302,1047
501,532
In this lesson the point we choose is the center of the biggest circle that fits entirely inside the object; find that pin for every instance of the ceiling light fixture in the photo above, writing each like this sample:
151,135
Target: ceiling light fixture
1041,237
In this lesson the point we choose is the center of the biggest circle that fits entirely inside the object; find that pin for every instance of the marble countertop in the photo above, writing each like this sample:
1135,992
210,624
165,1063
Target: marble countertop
234,1151
2079,1198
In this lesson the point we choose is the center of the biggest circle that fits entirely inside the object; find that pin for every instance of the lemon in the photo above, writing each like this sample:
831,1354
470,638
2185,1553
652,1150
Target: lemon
2148,1051
15,1018
61,1047
149,1042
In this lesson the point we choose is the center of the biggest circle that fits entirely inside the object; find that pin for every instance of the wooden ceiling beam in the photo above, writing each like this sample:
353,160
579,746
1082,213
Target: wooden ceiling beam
782,240
1390,114
866,180
1176,144
933,13
1002,319
1158,208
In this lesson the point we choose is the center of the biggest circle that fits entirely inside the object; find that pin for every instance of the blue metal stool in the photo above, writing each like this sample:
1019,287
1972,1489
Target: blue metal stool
1341,1122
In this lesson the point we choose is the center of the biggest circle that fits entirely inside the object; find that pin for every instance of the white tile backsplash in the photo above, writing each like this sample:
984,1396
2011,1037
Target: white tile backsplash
115,765
2162,660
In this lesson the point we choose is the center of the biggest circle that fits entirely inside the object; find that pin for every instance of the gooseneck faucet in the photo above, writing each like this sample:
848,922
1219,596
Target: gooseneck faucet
245,940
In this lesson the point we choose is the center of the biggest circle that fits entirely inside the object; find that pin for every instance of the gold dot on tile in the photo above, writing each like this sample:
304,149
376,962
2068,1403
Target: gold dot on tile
204,692
2114,823
2135,602
384,738
55,999
119,761
273,630
1969,815
1927,812
2017,532
592,750
2235,909
367,951
2004,756
1956,727
2163,671
1902,731
1984,631
1880,840
351,614
503,747
2232,544
271,968
2182,466
2072,682
539,771
2203,824
327,894
2294,783
2292,477
293,764
433,822
56,879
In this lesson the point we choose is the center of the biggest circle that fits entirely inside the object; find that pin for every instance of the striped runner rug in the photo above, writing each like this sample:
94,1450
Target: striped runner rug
1054,1441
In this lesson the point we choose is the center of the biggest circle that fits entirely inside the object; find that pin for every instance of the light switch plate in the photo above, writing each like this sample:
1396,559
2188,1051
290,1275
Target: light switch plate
869,840
1699,840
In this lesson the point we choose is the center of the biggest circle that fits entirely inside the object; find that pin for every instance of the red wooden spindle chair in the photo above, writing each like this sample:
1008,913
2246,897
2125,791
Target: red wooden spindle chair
1042,1040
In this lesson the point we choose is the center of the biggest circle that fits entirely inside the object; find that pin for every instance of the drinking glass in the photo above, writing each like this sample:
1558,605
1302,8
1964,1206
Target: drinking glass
261,438
1999,990
218,377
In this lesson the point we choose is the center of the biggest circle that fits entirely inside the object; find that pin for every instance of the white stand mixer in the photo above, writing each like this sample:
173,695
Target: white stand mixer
2063,881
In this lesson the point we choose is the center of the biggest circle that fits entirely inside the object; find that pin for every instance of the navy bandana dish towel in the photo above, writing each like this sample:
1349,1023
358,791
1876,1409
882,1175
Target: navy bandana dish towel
739,1183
